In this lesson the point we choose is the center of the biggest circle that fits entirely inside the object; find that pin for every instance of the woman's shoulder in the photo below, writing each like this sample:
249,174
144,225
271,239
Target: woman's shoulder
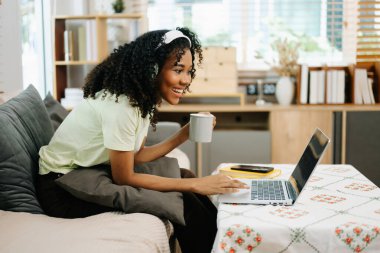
105,97
107,102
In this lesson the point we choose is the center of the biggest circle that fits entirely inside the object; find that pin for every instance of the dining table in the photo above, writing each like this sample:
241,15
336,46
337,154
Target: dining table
338,210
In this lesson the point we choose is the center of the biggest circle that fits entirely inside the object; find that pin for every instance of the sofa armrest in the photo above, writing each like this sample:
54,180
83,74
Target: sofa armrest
182,158
165,129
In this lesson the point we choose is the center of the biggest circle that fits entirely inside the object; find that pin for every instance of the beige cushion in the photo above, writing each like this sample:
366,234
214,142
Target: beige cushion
108,232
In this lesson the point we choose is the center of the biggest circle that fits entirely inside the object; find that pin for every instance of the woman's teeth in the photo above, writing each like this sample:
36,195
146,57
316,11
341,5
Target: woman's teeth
178,91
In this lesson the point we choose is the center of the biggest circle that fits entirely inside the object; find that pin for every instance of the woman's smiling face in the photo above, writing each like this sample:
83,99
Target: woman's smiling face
175,77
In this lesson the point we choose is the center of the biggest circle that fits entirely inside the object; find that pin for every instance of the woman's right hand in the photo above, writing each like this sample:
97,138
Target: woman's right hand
217,184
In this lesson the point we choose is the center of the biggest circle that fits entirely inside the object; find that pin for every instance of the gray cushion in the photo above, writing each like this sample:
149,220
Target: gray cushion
95,185
57,113
24,128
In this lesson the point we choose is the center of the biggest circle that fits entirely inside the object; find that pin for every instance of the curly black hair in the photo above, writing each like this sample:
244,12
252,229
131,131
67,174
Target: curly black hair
133,68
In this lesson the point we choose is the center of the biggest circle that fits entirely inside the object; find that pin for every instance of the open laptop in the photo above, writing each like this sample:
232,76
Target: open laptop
282,192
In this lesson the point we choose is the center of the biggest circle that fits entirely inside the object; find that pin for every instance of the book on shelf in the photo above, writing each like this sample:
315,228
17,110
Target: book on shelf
370,87
82,43
321,87
250,175
304,84
330,87
68,42
335,85
363,90
316,95
366,97
340,87
91,47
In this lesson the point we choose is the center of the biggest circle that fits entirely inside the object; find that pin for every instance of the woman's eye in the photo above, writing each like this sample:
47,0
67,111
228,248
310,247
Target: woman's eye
178,71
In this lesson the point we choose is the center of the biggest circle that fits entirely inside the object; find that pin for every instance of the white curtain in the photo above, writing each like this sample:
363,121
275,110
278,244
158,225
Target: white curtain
10,47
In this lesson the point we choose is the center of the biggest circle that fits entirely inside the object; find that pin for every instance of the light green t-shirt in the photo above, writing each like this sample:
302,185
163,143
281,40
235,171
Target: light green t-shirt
93,127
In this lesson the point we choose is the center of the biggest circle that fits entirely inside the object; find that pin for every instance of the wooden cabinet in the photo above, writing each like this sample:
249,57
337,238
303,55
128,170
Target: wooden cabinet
361,140
291,130
279,134
236,146
98,41
250,133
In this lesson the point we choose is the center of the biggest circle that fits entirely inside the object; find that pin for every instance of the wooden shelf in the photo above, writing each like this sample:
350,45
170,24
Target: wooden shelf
101,16
95,29
266,108
240,97
68,63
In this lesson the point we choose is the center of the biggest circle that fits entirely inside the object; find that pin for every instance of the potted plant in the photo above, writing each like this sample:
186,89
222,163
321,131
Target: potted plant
118,6
286,67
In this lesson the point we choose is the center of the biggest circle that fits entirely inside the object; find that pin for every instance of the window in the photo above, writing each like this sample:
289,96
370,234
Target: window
35,47
252,25
368,31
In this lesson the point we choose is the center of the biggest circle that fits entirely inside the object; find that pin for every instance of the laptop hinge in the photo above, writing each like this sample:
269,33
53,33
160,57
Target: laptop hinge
291,191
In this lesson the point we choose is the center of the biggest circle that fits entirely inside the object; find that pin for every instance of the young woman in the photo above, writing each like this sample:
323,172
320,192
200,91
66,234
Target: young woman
110,126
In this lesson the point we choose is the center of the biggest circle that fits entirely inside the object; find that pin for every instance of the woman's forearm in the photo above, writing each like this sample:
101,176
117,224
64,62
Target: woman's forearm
214,184
122,163
158,183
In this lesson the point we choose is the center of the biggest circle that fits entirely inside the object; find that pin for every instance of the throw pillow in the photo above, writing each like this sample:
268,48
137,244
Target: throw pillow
56,111
24,128
95,185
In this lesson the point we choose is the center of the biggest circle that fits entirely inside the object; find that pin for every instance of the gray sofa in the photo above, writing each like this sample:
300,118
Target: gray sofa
25,126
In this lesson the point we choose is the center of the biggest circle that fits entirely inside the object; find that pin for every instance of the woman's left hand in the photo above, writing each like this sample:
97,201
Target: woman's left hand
208,113
185,131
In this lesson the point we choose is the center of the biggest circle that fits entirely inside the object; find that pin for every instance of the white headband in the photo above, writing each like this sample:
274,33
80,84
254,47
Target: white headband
172,35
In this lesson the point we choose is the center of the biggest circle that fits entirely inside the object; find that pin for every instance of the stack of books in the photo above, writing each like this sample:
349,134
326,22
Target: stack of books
79,41
73,96
363,93
322,85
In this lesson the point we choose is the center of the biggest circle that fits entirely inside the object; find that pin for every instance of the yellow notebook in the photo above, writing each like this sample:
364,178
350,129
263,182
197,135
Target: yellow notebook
251,175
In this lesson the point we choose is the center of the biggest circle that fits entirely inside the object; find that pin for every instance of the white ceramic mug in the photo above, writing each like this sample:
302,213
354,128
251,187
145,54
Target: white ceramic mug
201,126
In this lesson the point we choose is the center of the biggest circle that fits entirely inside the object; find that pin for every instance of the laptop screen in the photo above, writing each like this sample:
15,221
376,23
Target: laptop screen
309,159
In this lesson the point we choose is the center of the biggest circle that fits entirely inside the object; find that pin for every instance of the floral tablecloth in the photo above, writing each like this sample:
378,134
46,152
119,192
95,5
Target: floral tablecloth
338,211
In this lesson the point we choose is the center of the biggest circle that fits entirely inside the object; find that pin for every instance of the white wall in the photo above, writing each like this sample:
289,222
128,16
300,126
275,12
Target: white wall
10,47
71,7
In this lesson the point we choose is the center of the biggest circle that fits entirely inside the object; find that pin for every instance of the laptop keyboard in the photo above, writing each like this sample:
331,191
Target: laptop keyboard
267,190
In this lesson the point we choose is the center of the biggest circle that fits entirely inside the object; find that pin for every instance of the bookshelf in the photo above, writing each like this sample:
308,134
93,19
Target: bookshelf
334,90
95,44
